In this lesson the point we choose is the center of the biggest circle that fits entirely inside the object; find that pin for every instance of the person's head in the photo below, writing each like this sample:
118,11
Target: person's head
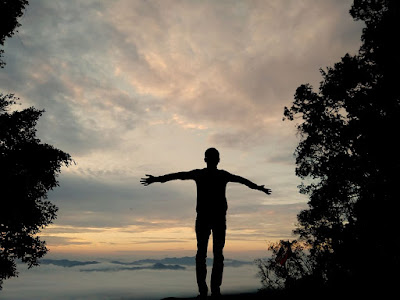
211,157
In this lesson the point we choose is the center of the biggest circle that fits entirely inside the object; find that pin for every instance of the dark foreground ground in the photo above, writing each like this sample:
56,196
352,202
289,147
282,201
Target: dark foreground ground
262,295
309,294
244,296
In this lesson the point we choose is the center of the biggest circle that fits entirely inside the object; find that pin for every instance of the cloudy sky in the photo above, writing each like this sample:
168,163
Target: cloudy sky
145,87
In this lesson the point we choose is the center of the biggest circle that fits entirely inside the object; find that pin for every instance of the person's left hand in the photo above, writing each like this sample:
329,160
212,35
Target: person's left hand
264,189
149,180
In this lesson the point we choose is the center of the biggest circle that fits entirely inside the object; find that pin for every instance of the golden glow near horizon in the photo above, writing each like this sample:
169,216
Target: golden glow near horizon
125,239
168,235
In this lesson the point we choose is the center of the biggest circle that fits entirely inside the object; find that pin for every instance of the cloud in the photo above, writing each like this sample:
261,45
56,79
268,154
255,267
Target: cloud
54,282
238,139
101,69
62,241
235,67
62,61
263,222
136,87
90,202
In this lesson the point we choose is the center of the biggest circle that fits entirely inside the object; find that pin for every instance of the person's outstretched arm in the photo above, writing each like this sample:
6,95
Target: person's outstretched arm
250,184
164,178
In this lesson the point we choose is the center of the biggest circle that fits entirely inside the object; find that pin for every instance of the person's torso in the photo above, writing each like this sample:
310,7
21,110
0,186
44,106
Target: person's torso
211,191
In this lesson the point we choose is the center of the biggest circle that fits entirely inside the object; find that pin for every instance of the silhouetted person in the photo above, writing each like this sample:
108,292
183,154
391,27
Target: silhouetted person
211,214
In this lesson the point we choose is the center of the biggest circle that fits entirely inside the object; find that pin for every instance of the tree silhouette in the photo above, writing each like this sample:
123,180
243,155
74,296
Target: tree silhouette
10,11
28,170
349,156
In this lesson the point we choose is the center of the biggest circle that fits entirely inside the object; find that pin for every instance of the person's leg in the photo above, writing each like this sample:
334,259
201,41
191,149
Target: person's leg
219,233
203,231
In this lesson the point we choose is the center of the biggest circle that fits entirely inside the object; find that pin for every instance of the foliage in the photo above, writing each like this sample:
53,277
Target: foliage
29,169
348,150
10,11
287,265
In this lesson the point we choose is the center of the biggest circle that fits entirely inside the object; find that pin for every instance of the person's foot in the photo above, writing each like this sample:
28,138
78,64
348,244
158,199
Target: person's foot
216,295
203,291
202,296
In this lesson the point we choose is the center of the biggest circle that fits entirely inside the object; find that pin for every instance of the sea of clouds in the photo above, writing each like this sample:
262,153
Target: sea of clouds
115,278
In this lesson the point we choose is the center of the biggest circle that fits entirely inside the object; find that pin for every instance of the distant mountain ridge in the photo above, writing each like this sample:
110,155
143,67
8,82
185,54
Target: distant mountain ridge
67,263
186,261
168,263
156,266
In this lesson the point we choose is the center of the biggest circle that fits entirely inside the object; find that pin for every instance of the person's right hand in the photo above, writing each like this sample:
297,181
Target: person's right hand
149,180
